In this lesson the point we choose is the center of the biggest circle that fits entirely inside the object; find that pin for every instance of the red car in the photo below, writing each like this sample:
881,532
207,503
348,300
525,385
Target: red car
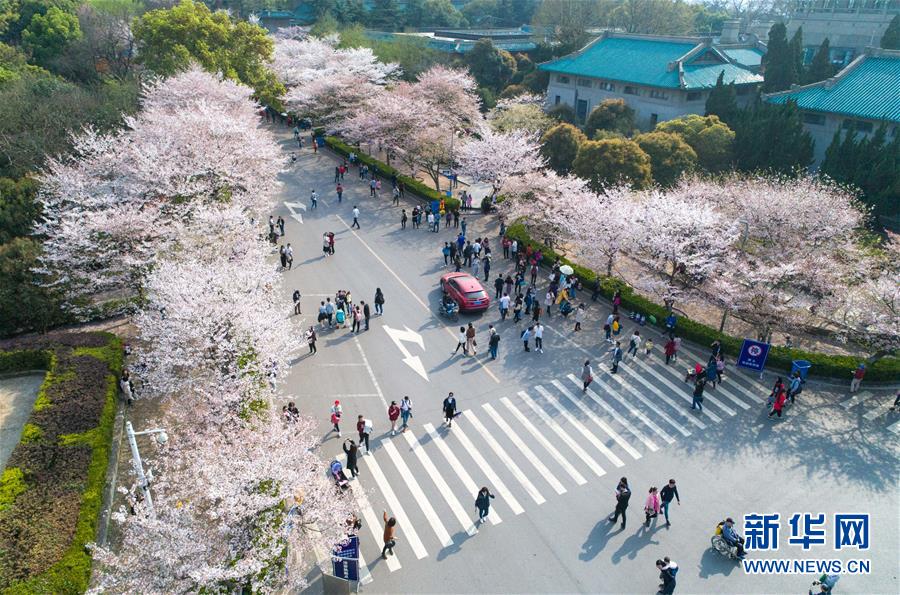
466,291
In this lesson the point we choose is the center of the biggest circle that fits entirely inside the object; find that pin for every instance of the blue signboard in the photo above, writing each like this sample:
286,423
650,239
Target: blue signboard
345,559
753,355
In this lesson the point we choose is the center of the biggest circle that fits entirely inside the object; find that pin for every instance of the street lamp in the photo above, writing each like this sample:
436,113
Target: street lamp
143,479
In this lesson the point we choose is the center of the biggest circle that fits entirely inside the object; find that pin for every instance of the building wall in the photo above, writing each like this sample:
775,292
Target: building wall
849,24
822,127
651,104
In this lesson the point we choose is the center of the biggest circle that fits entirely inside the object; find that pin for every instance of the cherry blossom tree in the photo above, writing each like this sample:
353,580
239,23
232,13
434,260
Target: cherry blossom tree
497,156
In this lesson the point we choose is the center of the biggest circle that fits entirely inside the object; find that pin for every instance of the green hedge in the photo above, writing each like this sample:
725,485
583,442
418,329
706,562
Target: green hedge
52,497
833,366
386,171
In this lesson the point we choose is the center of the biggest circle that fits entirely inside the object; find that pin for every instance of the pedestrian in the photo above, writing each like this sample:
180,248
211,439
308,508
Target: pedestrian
403,219
667,571
340,192
587,375
282,254
677,340
289,256
617,301
896,406
405,413
607,328
517,309
508,284
367,313
504,306
616,357
476,266
471,344
390,538
493,341
449,409
429,219
796,386
667,494
352,452
313,200
296,298
280,224
538,337
372,185
526,335
395,196
651,506
711,374
498,287
669,349
379,301
536,312
355,218
483,504
311,339
461,342
337,173
579,316
549,298
634,344
857,378
534,272
505,243
463,225
271,224
446,252
623,494
393,413
364,428
336,411
616,326
357,318
778,404
715,348
699,385
329,312
720,369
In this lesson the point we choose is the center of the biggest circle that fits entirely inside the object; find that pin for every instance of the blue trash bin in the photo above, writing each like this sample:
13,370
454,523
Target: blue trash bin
802,366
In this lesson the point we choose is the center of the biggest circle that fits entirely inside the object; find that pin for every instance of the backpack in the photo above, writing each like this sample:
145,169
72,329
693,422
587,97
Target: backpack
340,317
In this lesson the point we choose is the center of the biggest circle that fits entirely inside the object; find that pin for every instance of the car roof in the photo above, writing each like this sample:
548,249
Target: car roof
466,282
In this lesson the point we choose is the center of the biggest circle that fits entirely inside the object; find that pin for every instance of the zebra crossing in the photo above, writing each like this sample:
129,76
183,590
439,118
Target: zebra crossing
528,447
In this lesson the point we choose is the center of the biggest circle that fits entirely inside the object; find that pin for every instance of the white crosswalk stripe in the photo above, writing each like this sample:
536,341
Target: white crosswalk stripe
594,418
598,444
487,471
856,399
461,472
631,410
551,423
406,527
878,407
424,503
526,450
627,368
539,437
650,405
457,509
736,379
680,390
895,427
374,522
504,456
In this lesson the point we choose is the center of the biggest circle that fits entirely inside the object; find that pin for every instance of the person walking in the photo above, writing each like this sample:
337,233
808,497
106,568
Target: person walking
282,254
711,371
677,341
379,301
280,224
483,504
536,312
667,571
405,413
778,404
461,342
579,317
526,335
476,266
449,410
296,298
517,309
634,344
858,375
486,264
699,385
403,219
393,413
651,506
796,386
538,337
587,375
549,298
493,341
357,317
616,357
504,306
289,256
623,494
364,428
498,287
607,328
395,196
355,218
389,537
311,340
336,411
669,349
372,185
446,252
666,495
471,343
340,192
367,313
352,452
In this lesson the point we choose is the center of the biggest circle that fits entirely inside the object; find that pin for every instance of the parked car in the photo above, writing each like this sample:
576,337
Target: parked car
466,290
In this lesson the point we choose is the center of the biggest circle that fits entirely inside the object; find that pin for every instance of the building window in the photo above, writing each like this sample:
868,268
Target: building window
581,110
654,118
584,82
659,95
694,96
817,119
606,86
557,100
562,79
631,90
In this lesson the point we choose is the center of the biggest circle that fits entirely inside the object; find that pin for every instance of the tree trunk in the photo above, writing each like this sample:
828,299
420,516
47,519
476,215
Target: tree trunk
724,318
609,265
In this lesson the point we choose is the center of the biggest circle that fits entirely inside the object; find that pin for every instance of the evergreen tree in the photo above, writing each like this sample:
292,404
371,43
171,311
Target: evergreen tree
771,137
820,68
722,101
796,46
778,61
891,38
385,15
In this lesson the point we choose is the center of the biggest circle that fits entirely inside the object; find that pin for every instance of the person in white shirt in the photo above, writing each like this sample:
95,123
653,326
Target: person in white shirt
355,218
461,341
539,337
504,306
548,302
634,344
313,200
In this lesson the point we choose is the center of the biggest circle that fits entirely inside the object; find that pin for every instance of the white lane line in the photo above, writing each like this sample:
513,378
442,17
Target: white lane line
457,509
396,509
529,454
856,399
454,463
594,418
424,503
415,296
335,395
598,444
662,397
879,408
634,411
895,427
486,470
536,434
503,456
615,415
374,380
374,523
680,390
650,404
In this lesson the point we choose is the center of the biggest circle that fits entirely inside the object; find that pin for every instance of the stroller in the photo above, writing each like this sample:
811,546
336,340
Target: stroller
337,472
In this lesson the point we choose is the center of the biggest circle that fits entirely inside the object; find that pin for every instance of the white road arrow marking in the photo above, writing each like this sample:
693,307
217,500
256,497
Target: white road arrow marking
398,337
295,205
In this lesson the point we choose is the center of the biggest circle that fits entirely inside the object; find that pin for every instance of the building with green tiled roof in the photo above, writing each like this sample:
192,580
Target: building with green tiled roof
860,97
661,78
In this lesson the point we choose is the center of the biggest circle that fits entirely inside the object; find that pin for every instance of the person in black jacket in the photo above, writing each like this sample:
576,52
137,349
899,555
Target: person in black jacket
666,495
352,451
623,494
367,313
667,570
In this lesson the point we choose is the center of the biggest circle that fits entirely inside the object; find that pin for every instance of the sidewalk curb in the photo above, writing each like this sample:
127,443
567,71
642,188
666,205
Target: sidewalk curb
112,470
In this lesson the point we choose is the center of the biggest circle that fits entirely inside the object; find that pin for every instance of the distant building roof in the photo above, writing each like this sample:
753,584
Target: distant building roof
867,88
670,62
750,57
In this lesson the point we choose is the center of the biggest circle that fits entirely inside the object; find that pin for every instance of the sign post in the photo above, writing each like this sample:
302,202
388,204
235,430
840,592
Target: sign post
753,355
345,560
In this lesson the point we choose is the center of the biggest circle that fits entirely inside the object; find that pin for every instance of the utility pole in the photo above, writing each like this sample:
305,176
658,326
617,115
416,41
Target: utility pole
143,478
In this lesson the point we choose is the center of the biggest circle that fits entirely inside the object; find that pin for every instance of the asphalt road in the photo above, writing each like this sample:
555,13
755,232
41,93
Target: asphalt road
552,455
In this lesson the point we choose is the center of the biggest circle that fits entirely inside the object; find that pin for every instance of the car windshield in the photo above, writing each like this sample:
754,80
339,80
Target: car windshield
476,294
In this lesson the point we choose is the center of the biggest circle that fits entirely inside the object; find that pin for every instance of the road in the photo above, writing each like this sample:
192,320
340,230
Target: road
551,454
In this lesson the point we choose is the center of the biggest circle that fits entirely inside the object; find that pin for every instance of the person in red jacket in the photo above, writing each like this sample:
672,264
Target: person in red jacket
778,405
393,415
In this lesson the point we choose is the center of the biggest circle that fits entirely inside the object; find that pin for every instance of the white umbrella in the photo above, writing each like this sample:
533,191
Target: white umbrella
566,269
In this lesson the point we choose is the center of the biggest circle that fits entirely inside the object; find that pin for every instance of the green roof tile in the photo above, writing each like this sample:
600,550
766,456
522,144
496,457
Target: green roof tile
870,90
706,75
747,56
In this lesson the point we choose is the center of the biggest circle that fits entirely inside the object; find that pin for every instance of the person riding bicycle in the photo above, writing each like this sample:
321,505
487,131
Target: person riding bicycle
447,303
731,537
